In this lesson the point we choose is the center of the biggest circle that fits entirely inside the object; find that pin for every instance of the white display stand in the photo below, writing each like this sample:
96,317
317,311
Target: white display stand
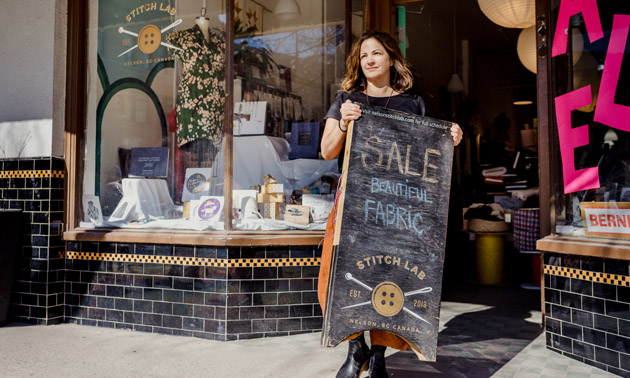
143,200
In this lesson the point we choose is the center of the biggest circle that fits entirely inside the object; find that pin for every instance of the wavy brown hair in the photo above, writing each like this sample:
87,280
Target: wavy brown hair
400,77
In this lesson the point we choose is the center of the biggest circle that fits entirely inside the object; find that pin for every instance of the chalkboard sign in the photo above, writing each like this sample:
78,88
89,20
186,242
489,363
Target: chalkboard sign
388,249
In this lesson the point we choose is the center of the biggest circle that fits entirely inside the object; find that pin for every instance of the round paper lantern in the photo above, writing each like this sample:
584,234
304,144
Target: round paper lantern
526,47
510,13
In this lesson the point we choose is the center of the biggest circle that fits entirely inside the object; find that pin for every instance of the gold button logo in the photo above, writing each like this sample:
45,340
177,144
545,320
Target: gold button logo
388,299
149,39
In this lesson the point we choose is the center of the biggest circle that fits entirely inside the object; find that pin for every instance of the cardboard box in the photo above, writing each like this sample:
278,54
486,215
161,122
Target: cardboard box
271,197
270,210
297,214
320,204
272,188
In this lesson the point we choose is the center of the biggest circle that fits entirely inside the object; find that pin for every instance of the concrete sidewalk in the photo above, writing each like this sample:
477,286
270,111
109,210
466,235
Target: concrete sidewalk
500,335
71,351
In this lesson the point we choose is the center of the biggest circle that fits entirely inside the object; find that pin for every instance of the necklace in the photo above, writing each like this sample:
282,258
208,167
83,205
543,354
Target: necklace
367,98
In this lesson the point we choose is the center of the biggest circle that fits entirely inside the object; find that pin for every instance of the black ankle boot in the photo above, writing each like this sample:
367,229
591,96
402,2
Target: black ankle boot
356,362
377,362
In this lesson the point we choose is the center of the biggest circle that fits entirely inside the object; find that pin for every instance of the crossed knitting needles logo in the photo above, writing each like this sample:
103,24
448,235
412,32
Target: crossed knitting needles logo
388,298
149,38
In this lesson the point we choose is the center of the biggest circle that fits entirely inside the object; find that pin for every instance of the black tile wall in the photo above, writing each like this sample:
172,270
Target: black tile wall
585,319
38,292
219,303
210,302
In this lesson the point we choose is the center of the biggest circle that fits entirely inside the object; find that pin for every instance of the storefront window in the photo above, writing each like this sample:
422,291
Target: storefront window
591,98
154,139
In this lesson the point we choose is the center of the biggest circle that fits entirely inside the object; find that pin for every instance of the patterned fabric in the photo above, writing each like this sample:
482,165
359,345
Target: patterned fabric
201,93
526,229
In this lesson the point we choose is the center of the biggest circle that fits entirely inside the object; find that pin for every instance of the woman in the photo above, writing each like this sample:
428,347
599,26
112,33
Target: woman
376,74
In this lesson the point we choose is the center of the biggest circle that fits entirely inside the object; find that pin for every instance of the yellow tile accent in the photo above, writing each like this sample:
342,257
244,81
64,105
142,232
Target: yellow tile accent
195,261
613,279
31,174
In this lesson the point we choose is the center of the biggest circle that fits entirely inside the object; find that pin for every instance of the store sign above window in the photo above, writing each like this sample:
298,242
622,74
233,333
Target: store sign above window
606,111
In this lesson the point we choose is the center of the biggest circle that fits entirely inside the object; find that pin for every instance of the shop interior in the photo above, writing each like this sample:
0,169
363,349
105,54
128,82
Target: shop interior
480,75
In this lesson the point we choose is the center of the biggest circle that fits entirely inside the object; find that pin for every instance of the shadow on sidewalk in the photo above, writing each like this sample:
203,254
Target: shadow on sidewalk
477,343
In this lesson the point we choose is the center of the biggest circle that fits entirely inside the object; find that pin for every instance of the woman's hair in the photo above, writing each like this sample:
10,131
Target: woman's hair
400,78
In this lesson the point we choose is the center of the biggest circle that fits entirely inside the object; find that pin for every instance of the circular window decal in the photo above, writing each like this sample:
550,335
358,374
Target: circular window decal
196,183
209,209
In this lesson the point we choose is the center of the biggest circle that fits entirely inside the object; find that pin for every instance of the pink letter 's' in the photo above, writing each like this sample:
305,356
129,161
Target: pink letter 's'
606,111
568,8
571,138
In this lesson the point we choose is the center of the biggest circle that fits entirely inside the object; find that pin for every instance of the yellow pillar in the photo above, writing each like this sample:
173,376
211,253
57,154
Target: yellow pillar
489,258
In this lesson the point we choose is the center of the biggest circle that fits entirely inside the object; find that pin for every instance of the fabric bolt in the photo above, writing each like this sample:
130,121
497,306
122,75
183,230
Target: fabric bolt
526,225
201,93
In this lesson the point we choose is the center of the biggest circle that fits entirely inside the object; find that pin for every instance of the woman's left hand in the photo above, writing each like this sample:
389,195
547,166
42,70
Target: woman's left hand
457,134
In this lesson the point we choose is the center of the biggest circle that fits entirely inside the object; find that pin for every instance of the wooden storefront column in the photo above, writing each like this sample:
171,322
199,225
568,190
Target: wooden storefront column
75,109
228,134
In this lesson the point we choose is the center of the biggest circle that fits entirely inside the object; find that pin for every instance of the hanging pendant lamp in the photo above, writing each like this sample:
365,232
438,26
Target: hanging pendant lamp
526,47
287,9
455,85
510,13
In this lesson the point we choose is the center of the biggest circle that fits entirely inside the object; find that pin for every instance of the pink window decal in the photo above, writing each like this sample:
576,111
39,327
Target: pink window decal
571,138
568,8
606,111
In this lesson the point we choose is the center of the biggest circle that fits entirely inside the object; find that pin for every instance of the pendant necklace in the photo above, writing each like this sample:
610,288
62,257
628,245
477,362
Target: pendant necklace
367,98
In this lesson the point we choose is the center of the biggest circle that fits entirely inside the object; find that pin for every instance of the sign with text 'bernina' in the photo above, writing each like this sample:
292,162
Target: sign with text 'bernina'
610,219
388,249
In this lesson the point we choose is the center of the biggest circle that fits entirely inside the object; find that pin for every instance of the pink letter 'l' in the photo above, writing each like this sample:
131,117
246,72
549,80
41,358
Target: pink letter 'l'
571,138
606,111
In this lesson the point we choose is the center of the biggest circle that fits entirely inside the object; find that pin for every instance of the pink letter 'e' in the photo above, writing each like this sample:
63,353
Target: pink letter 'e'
569,8
571,138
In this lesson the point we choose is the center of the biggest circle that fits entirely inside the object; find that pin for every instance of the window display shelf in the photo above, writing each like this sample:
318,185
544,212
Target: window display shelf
218,238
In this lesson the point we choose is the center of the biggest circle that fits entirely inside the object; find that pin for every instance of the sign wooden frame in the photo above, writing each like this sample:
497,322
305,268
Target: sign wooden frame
390,233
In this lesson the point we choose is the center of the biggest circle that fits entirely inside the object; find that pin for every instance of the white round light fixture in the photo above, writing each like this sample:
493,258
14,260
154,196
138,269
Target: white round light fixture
510,13
287,9
526,47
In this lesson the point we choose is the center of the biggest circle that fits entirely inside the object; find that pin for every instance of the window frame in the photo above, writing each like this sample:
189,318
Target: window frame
74,144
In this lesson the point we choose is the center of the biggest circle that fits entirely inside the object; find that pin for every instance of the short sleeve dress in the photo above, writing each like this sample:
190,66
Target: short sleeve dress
201,93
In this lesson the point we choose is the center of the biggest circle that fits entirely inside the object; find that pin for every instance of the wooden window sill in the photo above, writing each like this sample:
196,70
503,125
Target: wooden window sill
586,246
217,238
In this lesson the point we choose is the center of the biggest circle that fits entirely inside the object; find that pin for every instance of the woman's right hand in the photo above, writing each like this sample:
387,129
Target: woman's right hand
349,112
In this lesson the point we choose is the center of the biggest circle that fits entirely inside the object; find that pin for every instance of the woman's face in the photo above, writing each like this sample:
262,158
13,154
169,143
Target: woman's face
375,61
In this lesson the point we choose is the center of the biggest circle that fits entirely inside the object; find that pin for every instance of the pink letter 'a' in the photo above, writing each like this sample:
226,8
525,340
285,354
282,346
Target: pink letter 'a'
569,8
571,138
606,111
